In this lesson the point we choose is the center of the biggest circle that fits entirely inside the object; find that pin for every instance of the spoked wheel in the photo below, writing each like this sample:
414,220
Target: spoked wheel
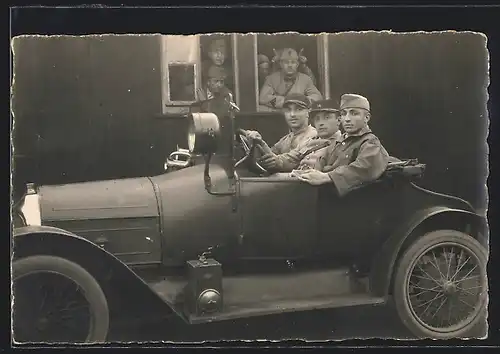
56,300
440,287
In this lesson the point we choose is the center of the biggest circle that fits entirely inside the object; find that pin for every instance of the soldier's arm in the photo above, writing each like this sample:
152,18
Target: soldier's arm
278,147
267,94
200,95
312,91
369,165
290,160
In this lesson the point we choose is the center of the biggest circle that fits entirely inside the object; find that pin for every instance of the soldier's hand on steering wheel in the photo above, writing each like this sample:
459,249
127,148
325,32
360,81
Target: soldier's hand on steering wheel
254,135
270,161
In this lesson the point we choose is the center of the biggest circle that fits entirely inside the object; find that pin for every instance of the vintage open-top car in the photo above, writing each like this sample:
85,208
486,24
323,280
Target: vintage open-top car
207,242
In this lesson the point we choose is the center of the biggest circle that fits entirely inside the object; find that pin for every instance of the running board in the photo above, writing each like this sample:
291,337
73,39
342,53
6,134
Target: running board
284,306
259,295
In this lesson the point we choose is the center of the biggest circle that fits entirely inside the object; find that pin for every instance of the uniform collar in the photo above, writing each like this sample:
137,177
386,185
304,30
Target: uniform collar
336,136
300,131
361,132
289,78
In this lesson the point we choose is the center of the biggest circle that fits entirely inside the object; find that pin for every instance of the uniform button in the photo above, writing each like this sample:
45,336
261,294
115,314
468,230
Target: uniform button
343,143
346,156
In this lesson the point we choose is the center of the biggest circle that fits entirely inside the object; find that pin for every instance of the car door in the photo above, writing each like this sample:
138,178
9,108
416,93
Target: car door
355,225
278,217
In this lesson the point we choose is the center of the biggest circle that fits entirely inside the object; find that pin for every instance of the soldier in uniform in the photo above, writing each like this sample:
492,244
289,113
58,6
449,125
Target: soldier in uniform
286,81
296,110
263,68
215,85
217,53
326,119
358,157
215,98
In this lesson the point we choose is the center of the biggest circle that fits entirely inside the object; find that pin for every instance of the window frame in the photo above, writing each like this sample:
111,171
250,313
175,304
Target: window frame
167,103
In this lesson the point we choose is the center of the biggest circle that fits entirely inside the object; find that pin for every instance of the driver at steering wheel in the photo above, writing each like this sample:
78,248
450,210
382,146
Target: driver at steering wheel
296,110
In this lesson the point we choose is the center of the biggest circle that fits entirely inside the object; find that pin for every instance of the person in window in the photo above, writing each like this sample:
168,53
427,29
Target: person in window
217,55
215,85
325,117
263,67
215,98
357,158
296,109
304,68
288,80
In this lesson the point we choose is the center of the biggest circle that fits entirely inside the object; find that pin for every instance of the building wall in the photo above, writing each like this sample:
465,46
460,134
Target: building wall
83,105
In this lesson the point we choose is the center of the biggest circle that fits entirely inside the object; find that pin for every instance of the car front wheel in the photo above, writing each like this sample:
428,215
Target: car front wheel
56,300
440,286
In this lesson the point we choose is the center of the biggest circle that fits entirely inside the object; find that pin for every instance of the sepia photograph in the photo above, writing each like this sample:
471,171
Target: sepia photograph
249,186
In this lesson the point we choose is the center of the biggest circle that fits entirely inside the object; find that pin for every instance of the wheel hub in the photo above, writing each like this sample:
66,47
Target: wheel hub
449,288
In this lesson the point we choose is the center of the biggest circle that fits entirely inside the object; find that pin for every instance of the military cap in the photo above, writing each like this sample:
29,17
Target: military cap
218,44
324,106
262,59
289,54
299,99
216,72
351,100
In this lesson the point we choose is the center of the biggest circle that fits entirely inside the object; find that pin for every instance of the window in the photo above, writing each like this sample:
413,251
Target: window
180,72
181,82
187,62
310,49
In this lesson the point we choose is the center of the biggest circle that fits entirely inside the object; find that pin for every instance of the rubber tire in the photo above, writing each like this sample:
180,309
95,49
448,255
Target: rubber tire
92,290
410,255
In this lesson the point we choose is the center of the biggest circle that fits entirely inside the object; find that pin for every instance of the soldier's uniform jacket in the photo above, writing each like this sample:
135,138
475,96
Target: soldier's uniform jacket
276,85
307,156
354,160
294,140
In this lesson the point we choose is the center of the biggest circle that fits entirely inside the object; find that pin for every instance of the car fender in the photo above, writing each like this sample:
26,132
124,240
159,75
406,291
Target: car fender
383,264
114,276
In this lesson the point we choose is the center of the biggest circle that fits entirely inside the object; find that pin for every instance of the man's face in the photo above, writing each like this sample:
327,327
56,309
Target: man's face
289,66
296,116
326,123
218,56
215,85
354,119
264,69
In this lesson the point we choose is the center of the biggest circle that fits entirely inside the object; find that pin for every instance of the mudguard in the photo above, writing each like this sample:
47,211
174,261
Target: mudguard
383,265
108,270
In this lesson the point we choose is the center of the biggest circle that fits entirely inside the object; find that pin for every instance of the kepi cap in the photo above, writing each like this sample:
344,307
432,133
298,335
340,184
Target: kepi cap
262,59
299,99
218,44
216,72
324,106
352,100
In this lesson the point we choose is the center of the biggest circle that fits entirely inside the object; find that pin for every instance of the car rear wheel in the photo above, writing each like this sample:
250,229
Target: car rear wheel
440,287
56,300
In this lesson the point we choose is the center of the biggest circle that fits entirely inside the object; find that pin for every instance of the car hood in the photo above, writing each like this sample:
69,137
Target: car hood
123,198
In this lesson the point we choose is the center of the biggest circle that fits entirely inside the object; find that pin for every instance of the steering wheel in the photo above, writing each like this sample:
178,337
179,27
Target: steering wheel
249,159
